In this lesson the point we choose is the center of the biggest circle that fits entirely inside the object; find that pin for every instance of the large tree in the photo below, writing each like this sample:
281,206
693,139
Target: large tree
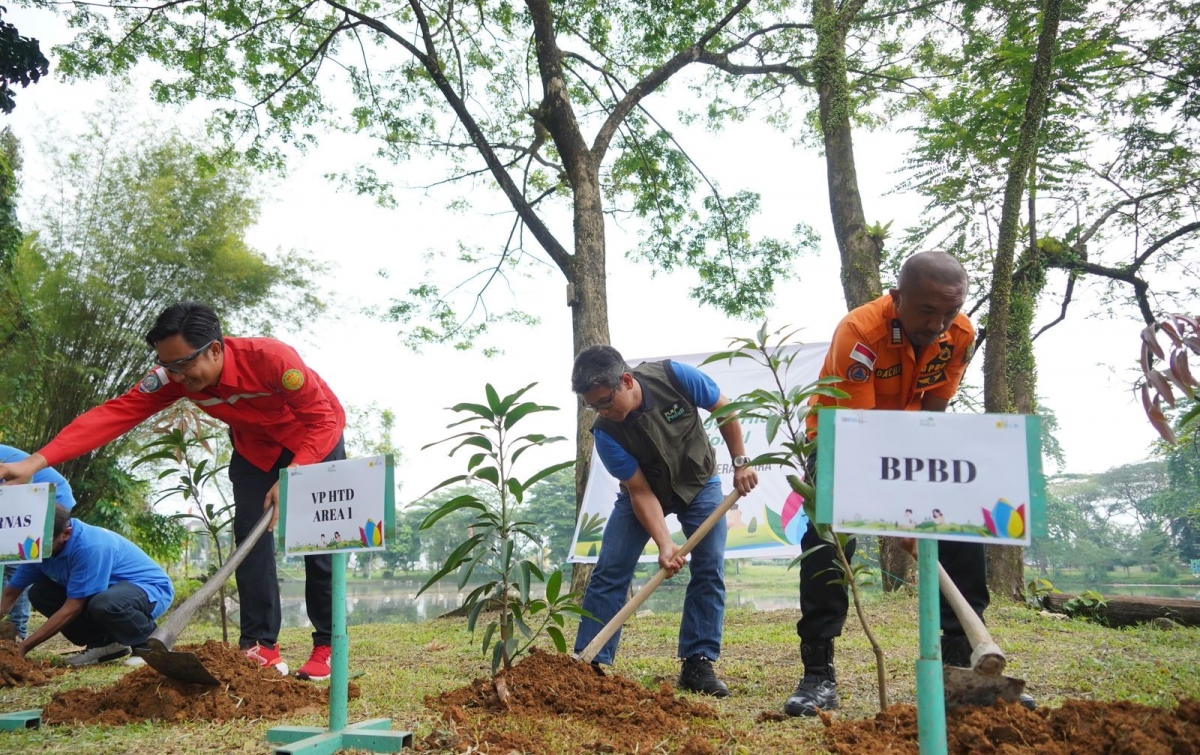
134,220
545,101
1100,182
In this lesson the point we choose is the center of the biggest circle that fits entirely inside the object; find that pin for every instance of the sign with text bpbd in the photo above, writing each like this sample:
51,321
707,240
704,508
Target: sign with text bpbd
26,522
337,506
967,477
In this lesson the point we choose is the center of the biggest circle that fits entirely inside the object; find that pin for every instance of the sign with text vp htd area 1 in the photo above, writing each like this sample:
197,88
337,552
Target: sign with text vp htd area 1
26,522
966,477
337,506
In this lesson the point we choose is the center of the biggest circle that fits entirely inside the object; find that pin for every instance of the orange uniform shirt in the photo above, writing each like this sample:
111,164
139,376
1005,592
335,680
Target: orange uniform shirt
268,396
878,364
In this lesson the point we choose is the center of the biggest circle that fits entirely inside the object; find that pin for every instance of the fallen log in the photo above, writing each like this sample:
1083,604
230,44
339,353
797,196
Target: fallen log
1120,611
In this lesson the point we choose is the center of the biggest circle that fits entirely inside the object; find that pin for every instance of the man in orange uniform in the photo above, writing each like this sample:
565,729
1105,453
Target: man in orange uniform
907,350
280,413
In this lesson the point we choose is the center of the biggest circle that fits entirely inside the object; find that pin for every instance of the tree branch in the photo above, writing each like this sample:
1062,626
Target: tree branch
657,78
1062,315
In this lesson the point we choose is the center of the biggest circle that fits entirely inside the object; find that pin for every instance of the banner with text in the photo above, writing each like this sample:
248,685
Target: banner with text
928,474
26,522
770,521
337,506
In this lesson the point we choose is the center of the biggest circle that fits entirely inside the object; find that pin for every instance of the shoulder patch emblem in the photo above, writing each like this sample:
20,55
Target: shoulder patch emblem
969,353
153,381
293,380
858,373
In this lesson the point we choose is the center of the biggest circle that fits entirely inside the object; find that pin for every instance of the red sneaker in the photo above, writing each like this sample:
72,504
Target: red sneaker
267,655
316,668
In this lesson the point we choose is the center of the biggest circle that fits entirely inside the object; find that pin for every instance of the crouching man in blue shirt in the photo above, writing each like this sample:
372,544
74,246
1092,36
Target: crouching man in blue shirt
97,588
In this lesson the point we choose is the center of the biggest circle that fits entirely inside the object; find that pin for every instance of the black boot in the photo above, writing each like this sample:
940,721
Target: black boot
697,675
818,689
956,651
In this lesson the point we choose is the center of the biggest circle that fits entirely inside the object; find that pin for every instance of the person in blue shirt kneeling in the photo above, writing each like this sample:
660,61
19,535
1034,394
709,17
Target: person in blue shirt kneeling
97,588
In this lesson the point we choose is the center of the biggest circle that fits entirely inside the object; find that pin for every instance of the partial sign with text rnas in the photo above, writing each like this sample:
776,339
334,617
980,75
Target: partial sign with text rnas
26,522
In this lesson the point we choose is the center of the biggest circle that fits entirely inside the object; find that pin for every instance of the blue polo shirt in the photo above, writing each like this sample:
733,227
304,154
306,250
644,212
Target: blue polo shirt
699,388
62,488
93,560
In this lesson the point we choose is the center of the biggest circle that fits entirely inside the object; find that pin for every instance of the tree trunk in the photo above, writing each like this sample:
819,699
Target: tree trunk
587,295
1008,360
859,252
1126,612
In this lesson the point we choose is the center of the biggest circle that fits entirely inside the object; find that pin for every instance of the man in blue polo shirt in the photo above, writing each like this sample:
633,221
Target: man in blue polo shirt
19,615
97,588
649,435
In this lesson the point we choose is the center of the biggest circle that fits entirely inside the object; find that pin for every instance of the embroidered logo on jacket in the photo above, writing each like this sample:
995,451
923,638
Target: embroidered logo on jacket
861,354
673,412
890,372
152,382
293,380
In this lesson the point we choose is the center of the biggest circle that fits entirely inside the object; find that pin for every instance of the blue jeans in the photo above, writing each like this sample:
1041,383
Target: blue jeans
19,613
704,605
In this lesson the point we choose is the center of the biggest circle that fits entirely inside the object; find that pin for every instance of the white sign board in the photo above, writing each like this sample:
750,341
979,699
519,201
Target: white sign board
26,522
770,521
967,477
335,506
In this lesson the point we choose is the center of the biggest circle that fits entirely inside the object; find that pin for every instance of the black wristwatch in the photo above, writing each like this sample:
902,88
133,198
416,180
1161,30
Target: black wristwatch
741,461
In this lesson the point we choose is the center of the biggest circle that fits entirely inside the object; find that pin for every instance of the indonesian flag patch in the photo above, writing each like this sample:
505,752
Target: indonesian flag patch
863,355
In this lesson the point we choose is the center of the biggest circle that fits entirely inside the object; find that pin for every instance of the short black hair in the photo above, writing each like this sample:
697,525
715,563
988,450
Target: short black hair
597,366
62,518
194,321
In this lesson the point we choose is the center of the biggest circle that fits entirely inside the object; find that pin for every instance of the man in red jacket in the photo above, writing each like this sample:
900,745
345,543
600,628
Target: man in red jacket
280,413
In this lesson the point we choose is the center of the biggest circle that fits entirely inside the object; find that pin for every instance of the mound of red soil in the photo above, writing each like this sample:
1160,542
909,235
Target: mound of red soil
15,671
1077,728
246,691
547,688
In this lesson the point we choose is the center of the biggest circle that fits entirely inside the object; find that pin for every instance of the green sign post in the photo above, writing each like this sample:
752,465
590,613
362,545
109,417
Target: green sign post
306,485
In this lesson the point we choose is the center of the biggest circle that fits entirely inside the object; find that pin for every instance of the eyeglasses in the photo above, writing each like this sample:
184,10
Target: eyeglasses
603,403
179,365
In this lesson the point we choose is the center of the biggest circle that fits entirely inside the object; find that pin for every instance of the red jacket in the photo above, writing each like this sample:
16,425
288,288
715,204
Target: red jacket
268,396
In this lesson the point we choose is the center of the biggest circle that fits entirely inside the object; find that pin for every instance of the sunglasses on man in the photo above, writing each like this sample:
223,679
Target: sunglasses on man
179,365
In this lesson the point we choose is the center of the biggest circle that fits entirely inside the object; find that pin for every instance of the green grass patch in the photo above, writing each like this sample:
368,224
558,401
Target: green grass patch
402,663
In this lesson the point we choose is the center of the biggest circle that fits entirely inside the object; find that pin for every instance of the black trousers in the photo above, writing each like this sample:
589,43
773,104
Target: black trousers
119,614
824,604
258,583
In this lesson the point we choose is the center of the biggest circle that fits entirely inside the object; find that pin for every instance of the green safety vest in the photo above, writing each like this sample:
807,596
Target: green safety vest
668,439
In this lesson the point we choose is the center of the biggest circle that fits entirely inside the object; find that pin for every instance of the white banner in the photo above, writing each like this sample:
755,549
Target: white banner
934,475
766,524
26,522
334,506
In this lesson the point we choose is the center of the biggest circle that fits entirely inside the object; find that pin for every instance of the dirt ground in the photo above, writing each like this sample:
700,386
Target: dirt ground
547,688
551,693
15,671
1077,728
246,691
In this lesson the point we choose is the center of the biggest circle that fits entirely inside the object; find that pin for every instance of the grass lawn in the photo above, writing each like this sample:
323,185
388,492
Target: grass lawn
401,664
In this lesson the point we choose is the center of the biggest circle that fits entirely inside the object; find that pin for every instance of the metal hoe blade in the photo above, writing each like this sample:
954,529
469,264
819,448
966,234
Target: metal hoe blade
967,687
176,664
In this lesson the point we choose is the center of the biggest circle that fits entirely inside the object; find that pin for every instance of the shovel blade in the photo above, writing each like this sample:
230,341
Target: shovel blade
966,687
181,666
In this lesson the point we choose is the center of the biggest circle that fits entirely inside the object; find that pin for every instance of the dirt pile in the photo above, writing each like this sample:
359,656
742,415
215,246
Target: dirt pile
553,691
1077,728
246,691
15,671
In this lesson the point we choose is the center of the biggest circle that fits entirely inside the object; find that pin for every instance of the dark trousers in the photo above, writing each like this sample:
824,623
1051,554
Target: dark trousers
823,604
258,584
119,614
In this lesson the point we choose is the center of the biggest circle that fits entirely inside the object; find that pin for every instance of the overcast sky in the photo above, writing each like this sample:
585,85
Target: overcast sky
1085,365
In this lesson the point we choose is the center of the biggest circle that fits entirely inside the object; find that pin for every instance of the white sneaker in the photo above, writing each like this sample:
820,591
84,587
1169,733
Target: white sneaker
92,656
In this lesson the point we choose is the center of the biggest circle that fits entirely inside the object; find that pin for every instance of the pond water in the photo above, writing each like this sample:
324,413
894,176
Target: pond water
396,601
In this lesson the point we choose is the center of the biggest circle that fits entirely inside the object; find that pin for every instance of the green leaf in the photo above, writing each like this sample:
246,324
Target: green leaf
523,579
487,636
493,399
543,474
553,585
466,501
489,474
473,615
556,636
524,410
802,488
478,409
